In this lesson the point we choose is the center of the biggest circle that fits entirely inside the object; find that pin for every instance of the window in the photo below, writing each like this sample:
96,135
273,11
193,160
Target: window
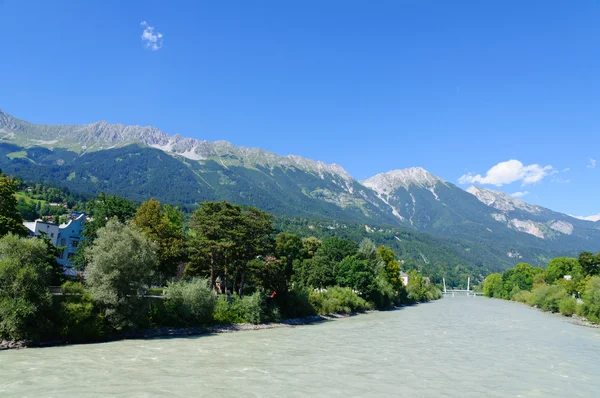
52,234
70,256
74,243
63,241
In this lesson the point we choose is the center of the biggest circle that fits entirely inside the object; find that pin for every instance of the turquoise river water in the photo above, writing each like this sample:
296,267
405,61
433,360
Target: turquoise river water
455,347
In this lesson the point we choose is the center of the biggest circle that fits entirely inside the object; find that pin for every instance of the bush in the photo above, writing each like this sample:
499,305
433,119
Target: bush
567,306
249,309
296,303
80,319
523,296
591,300
155,291
338,300
189,303
547,297
25,300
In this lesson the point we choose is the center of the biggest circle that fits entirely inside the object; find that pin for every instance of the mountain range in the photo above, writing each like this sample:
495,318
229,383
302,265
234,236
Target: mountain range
142,162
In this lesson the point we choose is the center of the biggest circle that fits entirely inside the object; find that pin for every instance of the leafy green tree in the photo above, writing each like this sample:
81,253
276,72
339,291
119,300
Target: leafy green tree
27,209
103,208
337,249
518,278
392,266
357,273
493,286
419,289
163,225
288,248
121,262
590,263
10,219
318,272
558,267
310,246
25,299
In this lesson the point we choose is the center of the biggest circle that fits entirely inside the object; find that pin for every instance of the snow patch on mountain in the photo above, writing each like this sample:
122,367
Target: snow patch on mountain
588,218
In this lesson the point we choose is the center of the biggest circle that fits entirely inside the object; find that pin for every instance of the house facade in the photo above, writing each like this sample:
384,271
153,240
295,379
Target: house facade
66,237
40,228
404,278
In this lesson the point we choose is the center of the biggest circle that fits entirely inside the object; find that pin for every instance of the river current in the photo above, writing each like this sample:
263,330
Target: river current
455,347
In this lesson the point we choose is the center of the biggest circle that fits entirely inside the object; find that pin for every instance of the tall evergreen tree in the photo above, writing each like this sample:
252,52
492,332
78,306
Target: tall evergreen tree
10,218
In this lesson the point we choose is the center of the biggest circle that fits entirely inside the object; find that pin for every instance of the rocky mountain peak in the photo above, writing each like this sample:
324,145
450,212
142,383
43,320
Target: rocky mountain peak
384,183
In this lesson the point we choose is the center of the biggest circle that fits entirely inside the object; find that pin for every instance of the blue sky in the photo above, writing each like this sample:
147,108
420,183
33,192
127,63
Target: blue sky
456,87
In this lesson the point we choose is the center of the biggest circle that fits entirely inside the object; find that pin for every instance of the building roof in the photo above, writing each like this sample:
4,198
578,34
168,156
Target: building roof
403,274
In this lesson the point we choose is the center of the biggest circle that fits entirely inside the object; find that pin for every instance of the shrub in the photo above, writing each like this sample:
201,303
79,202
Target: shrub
523,296
338,300
296,303
155,291
591,300
25,300
189,302
567,306
547,297
249,309
80,318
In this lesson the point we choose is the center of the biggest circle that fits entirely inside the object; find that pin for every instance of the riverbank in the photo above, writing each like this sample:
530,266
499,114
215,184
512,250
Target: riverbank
191,331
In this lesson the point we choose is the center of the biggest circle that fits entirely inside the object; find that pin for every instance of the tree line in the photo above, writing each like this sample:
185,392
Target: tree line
235,268
567,285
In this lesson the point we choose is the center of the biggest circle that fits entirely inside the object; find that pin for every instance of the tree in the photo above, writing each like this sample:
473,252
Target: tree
357,273
519,278
288,248
10,219
318,272
493,285
337,249
558,267
163,225
310,246
391,266
225,237
121,262
25,299
590,263
102,208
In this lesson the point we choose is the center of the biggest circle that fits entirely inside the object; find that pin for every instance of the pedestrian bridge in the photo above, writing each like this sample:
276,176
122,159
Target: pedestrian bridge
467,290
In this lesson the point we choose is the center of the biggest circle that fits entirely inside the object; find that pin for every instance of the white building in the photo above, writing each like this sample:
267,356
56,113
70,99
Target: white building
39,228
65,236
404,278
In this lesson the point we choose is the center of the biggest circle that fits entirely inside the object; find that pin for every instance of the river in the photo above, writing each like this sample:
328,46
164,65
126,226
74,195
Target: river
455,347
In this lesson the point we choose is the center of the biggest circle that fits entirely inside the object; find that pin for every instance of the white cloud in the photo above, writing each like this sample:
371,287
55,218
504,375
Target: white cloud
152,38
519,194
567,169
509,172
592,164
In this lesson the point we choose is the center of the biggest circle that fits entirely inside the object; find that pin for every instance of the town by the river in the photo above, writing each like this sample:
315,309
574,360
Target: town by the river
455,347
